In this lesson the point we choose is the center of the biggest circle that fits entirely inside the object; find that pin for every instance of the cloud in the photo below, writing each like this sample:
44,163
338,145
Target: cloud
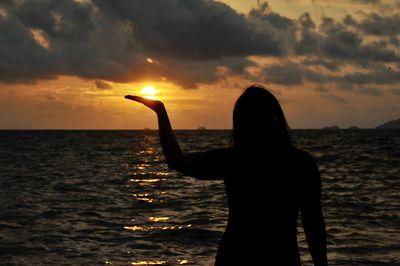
289,74
376,76
50,97
335,98
111,40
336,41
295,74
370,91
367,1
102,85
321,89
396,92
329,64
187,41
375,24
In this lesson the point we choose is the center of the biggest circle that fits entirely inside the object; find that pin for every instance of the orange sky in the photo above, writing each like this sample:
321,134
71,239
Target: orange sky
67,101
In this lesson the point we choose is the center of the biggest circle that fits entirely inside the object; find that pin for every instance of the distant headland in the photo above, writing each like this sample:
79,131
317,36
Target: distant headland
335,127
390,125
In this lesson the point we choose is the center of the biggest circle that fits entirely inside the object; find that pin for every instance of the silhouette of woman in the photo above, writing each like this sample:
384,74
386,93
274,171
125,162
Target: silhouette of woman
268,183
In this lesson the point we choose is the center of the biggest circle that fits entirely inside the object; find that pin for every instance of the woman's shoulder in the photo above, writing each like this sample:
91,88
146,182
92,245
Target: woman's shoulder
304,154
307,163
302,157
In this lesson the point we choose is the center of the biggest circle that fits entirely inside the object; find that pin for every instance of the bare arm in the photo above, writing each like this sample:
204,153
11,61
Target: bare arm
202,165
313,221
314,228
170,145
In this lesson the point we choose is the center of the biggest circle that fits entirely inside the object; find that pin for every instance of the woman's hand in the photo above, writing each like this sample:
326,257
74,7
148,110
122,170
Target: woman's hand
154,105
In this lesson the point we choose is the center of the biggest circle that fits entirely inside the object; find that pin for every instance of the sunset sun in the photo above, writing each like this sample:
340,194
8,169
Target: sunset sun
149,92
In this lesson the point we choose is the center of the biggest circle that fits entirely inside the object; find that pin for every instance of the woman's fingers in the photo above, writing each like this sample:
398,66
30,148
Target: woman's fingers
139,99
155,105
134,98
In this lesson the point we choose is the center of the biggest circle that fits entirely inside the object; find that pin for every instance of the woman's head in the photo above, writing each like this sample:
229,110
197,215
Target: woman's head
258,121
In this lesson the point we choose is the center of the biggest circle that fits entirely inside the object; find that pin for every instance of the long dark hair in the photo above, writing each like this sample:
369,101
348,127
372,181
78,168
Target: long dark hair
259,122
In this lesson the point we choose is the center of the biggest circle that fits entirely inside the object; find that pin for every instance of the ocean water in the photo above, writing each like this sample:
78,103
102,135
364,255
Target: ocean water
107,198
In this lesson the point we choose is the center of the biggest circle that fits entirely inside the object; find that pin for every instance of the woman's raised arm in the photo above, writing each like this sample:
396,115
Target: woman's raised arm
170,145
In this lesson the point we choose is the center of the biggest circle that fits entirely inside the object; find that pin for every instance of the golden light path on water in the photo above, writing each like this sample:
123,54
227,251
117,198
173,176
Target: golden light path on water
155,228
158,219
151,198
151,262
156,262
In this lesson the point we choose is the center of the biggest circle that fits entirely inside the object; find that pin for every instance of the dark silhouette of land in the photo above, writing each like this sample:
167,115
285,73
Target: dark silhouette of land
394,124
268,183
335,127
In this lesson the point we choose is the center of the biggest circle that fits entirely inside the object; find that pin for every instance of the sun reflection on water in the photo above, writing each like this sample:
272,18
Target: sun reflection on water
145,228
155,262
158,219
147,180
147,197
143,262
149,200
151,262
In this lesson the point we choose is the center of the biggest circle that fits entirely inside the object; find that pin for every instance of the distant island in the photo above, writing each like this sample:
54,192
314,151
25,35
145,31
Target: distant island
353,128
202,128
331,128
390,125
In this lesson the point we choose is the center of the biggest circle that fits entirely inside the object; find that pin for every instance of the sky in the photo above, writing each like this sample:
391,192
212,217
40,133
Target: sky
67,64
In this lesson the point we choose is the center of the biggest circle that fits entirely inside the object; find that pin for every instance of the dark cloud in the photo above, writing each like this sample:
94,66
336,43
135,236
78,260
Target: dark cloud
335,98
194,29
396,91
394,40
370,91
21,58
367,1
289,74
188,41
335,44
375,24
275,20
329,64
322,89
102,85
340,43
309,38
377,76
111,40
295,74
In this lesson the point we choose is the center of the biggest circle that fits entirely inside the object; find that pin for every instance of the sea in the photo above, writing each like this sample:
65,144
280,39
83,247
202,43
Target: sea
108,198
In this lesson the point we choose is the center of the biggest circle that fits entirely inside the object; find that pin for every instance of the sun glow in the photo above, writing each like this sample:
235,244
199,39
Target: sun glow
149,92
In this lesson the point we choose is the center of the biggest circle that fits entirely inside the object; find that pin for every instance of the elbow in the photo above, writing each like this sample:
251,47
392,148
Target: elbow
172,166
175,163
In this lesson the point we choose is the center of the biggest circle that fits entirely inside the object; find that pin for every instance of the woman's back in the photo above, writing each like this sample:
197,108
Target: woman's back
265,192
